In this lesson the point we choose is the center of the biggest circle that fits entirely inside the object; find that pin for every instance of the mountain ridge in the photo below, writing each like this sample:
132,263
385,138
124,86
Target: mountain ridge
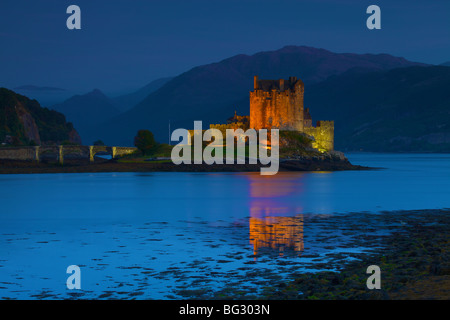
87,110
213,91
126,101
397,110
30,87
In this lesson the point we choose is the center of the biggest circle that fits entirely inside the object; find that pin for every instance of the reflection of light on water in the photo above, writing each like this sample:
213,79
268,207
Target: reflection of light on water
278,233
265,208
274,186
272,223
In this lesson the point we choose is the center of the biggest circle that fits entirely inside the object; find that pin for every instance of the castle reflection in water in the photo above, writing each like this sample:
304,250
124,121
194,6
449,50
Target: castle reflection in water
278,233
273,224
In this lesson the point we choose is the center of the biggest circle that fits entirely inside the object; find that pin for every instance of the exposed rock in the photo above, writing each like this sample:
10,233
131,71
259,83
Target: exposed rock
27,120
74,137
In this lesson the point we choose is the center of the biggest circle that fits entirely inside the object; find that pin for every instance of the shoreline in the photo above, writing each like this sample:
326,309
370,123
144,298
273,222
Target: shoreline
102,165
414,260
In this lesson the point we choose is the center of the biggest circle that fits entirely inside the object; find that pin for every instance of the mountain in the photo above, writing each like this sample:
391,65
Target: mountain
127,101
445,64
213,92
399,110
46,96
36,88
26,122
88,110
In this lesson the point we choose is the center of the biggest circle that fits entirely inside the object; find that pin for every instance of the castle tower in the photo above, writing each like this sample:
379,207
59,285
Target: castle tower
277,104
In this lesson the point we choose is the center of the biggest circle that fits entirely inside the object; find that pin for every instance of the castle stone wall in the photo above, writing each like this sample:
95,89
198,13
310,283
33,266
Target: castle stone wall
280,108
233,126
323,134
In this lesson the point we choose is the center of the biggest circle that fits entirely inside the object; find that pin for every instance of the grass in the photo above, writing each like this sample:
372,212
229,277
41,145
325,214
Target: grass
291,144
161,150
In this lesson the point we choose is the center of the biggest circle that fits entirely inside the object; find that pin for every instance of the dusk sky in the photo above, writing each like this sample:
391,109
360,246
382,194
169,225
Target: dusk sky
124,45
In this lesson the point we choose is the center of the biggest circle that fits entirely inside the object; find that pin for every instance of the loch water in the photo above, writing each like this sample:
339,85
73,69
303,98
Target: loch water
175,235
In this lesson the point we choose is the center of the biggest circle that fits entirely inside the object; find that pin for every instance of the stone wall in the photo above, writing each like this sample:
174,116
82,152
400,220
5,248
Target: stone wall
323,134
280,108
59,152
222,127
233,126
122,151
14,153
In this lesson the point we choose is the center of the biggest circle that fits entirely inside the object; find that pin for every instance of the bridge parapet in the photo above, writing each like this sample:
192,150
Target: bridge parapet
123,151
36,153
115,152
18,153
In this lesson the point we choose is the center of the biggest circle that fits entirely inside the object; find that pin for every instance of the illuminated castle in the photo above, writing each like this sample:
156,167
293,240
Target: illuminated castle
278,104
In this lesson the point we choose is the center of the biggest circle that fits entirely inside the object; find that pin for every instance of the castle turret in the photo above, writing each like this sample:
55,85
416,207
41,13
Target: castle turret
277,104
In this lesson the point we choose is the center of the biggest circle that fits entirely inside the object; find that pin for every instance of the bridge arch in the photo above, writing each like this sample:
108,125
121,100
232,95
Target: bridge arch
115,152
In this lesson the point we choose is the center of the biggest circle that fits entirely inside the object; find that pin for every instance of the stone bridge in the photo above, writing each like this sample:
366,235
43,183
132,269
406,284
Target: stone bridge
36,153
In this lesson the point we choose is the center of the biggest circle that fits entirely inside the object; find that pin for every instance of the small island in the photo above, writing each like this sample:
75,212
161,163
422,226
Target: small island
274,104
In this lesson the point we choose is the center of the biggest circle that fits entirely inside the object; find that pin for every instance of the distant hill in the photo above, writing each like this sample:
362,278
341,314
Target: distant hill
26,122
88,110
37,88
399,110
445,64
212,92
46,96
127,101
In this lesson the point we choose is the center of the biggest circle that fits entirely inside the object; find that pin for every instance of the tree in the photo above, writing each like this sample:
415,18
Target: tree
99,143
144,141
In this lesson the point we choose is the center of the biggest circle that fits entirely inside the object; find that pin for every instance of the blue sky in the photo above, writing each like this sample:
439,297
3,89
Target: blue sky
126,44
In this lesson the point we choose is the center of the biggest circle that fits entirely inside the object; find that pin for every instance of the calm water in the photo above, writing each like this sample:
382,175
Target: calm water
150,235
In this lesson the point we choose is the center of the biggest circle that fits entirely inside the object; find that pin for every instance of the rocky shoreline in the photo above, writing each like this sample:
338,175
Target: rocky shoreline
414,260
325,163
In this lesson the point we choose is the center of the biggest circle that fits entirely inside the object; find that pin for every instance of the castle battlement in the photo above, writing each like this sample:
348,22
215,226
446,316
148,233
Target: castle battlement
325,124
278,104
290,85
